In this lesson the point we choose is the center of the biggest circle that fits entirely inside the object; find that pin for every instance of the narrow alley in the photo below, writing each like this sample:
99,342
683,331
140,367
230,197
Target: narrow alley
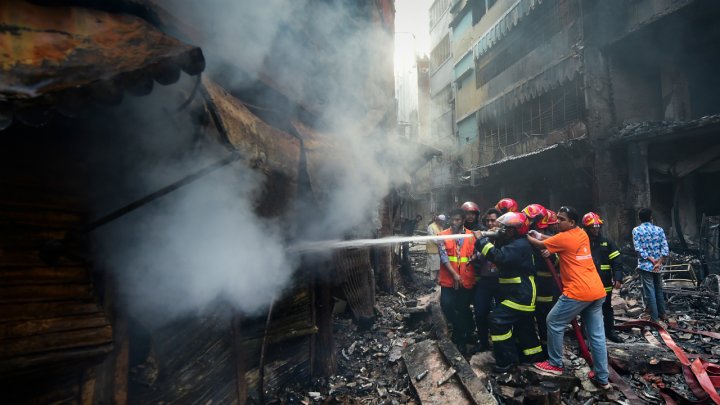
359,202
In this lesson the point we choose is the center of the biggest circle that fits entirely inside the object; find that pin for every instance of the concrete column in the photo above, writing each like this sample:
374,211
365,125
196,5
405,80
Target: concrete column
608,169
637,194
608,191
638,188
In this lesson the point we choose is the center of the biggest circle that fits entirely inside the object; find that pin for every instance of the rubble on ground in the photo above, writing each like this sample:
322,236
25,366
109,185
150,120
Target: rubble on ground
373,364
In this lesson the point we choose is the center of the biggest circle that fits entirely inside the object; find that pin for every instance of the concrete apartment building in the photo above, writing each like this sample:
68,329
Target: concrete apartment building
609,106
433,185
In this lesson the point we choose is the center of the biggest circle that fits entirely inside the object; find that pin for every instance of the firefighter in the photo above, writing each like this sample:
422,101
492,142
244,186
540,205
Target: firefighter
486,283
512,318
507,205
552,223
607,261
457,279
472,215
547,289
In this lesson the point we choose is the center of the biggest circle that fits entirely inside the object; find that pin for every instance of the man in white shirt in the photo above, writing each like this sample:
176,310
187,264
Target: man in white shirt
433,258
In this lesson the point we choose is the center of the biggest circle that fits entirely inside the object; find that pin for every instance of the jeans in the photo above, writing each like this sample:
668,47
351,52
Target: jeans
564,312
653,293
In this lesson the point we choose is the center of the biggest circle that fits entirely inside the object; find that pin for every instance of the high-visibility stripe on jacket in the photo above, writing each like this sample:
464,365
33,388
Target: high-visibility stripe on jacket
516,282
547,289
459,260
607,261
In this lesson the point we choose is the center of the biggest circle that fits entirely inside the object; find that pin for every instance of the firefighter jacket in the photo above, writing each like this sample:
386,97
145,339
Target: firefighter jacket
516,272
547,288
459,257
607,261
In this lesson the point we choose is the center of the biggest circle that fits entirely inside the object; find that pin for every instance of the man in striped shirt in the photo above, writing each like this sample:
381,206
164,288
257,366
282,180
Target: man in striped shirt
652,249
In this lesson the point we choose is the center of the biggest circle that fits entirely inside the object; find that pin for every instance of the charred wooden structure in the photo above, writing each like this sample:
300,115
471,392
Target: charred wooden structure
66,69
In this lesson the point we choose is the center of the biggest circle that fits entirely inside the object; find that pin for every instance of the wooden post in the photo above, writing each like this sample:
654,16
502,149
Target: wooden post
111,376
122,361
324,362
87,387
240,361
384,264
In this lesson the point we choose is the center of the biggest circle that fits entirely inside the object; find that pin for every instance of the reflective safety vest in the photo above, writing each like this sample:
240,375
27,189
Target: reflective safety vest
607,261
459,259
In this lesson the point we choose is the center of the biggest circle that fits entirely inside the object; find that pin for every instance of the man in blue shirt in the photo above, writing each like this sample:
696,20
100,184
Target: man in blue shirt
652,249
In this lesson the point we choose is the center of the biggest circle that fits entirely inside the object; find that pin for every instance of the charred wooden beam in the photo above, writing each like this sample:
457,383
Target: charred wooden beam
426,366
240,361
470,382
643,358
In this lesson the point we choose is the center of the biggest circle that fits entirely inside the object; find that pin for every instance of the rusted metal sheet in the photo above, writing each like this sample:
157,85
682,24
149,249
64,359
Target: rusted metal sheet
354,273
270,151
262,146
64,57
322,153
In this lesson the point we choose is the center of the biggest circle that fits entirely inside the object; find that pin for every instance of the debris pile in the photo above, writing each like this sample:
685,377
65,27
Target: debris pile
405,358
370,369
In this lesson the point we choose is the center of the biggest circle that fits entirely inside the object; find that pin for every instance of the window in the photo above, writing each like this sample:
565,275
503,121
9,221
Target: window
467,130
438,8
461,23
440,53
478,10
551,111
531,33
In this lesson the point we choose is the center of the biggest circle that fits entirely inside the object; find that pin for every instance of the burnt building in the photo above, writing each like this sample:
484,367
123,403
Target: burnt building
608,106
114,115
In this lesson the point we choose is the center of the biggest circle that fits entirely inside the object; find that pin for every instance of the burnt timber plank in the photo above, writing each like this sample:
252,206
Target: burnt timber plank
55,341
46,359
49,325
467,376
43,275
643,358
426,356
44,292
39,310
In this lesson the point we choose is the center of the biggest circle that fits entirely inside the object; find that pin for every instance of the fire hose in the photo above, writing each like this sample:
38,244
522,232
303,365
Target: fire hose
702,377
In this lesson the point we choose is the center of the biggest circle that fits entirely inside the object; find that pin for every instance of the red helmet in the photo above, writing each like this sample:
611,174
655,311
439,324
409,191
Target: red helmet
516,220
507,205
470,206
537,214
551,217
591,219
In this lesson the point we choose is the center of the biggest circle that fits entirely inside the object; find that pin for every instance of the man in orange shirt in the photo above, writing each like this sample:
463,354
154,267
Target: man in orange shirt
583,293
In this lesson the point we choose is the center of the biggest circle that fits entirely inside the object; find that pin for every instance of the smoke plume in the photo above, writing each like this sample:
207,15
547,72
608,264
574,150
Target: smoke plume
203,243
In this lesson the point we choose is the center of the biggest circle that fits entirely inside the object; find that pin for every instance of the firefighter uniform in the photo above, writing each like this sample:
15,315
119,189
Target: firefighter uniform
607,261
455,304
511,322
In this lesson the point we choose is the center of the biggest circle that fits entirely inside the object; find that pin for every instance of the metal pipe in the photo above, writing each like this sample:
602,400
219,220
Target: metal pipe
235,155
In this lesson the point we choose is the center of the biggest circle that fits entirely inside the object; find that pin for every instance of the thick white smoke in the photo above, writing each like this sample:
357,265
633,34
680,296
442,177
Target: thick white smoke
203,243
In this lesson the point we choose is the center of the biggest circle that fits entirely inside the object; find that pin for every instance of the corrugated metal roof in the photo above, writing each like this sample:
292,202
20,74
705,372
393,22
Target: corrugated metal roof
59,58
